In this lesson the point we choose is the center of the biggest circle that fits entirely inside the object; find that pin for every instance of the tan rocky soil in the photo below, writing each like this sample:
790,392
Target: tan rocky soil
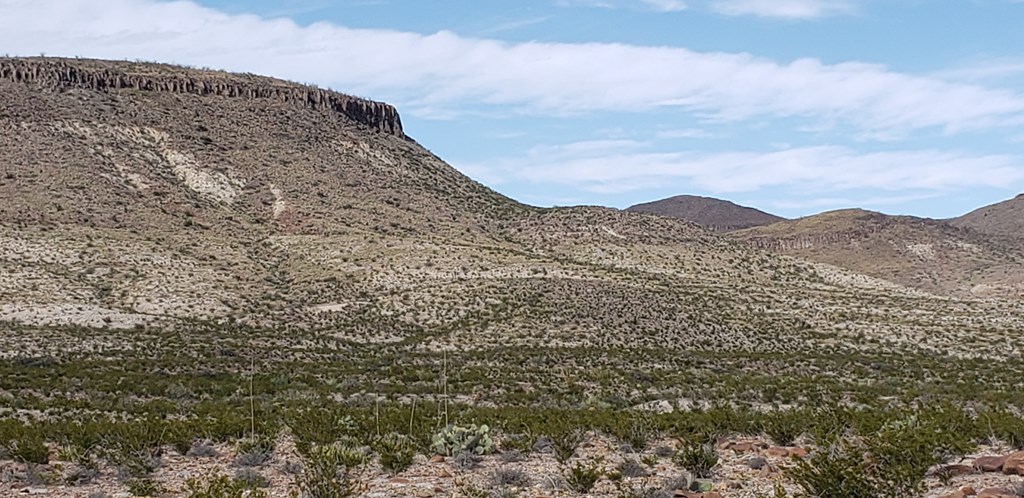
738,474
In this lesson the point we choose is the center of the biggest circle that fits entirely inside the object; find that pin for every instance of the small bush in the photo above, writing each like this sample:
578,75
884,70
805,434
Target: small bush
222,487
137,466
630,467
510,456
681,482
637,432
889,464
251,478
785,427
253,452
323,478
543,444
341,455
699,459
565,443
466,461
30,449
395,453
520,442
82,474
582,478
39,475
640,491
200,449
663,451
144,487
506,476
292,467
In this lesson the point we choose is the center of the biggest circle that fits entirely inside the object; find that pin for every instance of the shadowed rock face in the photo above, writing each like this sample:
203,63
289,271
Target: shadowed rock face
93,75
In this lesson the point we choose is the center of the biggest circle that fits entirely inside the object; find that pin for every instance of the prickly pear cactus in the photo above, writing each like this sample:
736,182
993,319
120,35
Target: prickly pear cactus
453,440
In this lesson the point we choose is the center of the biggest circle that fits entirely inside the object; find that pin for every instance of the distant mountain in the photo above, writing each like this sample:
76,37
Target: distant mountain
1004,219
931,255
714,214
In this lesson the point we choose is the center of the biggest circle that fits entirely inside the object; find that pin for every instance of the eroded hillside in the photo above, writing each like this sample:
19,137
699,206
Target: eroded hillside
134,206
931,255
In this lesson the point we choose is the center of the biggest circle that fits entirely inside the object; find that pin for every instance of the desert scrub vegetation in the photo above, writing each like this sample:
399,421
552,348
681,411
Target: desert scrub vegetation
890,462
873,450
221,486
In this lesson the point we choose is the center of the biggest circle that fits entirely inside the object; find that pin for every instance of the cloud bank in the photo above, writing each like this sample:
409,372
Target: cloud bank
444,71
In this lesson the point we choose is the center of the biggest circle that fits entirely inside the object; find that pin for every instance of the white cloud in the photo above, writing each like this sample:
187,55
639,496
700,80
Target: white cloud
787,9
614,167
689,133
443,73
666,5
862,202
991,69
658,5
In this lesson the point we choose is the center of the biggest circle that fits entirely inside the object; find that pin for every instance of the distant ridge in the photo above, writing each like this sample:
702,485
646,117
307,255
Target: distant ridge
923,253
714,214
1004,219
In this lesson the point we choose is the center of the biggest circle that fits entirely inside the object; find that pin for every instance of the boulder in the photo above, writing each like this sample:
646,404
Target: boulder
1014,464
989,463
756,462
954,470
996,493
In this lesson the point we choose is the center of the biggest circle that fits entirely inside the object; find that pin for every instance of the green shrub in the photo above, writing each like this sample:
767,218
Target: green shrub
221,486
144,487
340,454
582,478
508,476
454,440
253,452
323,478
30,448
630,467
395,452
251,478
565,442
888,464
699,459
785,426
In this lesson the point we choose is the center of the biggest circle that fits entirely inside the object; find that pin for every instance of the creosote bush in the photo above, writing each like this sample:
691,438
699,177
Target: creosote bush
220,486
510,476
582,478
700,459
254,451
395,452
890,463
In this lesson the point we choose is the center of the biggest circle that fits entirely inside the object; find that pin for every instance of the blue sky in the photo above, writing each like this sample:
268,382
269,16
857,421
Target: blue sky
792,106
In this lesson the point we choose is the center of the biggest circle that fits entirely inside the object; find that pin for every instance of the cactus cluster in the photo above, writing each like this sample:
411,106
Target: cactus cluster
453,440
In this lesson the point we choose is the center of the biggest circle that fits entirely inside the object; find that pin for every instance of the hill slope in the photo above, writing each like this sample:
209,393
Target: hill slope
714,214
927,254
164,225
1004,220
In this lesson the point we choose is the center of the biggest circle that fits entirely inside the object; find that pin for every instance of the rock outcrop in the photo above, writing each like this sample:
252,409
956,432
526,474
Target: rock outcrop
93,75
